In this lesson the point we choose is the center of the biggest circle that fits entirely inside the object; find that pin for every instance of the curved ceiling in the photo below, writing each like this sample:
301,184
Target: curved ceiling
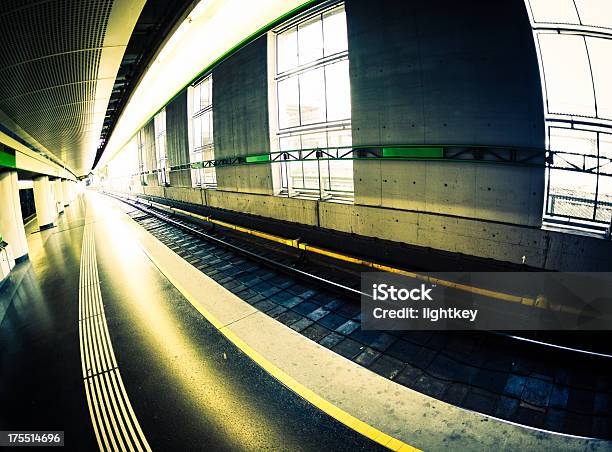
59,60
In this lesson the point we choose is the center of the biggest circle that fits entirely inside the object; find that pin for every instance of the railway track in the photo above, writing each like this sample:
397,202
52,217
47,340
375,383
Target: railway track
508,376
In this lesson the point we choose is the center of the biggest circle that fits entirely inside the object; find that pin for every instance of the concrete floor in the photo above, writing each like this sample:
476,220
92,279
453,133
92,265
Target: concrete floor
189,387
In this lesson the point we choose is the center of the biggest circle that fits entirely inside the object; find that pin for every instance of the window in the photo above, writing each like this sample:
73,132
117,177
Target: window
600,54
567,74
142,166
574,39
580,186
590,13
202,143
161,154
313,106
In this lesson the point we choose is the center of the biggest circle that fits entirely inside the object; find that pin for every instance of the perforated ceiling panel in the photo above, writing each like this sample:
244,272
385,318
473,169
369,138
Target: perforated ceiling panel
50,77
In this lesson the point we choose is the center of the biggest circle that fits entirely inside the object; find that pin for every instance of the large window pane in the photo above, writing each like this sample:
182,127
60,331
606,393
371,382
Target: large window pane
314,140
288,103
206,93
597,13
196,98
206,124
310,40
287,50
600,54
312,96
570,140
339,138
311,174
569,87
334,31
604,207
197,133
572,194
202,148
208,153
290,143
210,176
605,152
317,94
338,91
341,175
291,170
341,171
554,11
296,174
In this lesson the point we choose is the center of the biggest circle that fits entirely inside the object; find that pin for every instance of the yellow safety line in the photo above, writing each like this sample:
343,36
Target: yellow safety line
106,397
316,400
354,260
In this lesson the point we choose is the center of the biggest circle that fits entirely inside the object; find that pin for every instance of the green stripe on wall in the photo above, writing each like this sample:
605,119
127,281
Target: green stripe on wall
423,152
7,157
258,158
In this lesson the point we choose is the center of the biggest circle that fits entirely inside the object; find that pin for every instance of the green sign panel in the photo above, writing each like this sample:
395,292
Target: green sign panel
258,158
7,157
421,152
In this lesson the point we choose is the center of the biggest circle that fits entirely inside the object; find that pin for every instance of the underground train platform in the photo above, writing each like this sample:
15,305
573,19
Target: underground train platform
162,357
306,225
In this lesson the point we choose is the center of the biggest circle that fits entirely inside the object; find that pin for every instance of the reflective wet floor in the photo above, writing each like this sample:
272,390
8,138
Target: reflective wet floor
489,374
190,389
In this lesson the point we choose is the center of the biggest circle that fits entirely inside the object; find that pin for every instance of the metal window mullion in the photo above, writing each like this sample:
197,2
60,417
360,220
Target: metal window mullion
307,15
543,71
202,111
596,181
586,48
341,124
322,67
577,12
548,165
324,61
329,177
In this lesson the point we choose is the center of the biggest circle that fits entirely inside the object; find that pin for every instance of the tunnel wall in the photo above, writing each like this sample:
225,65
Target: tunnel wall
547,249
177,139
416,78
240,117
149,157
454,73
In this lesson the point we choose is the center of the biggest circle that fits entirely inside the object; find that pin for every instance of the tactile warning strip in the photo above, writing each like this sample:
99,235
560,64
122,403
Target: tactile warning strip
115,424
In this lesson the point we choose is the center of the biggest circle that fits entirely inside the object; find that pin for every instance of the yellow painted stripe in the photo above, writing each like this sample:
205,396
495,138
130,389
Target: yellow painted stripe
114,422
316,400
354,260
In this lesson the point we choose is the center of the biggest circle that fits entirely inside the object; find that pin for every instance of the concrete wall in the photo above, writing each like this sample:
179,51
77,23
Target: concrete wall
240,117
177,139
446,72
503,242
150,157
184,194
436,72
487,191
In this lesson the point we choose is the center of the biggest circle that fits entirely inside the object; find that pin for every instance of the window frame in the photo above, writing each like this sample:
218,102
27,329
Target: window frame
560,161
201,177
325,184
161,149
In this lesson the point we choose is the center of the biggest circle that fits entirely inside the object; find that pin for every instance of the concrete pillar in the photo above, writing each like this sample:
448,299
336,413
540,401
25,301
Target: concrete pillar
11,220
66,192
59,196
73,191
45,202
